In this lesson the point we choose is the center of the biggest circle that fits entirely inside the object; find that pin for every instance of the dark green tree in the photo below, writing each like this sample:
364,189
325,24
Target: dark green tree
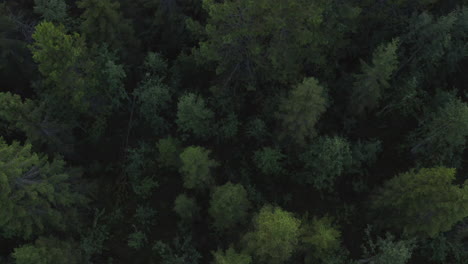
269,160
441,137
271,41
301,110
103,23
48,250
186,207
51,10
194,117
196,168
387,250
325,161
169,150
370,84
228,206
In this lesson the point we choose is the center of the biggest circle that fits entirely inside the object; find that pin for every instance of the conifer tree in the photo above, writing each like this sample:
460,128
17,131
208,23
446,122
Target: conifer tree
36,195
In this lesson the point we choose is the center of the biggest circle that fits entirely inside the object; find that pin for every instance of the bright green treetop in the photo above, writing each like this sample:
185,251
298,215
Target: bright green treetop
423,202
275,237
228,205
61,59
320,238
301,110
35,194
196,168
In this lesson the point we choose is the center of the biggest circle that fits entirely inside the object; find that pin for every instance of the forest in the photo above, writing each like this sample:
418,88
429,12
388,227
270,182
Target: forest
233,131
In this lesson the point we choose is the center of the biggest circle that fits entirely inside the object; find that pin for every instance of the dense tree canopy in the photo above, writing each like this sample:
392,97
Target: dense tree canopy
233,131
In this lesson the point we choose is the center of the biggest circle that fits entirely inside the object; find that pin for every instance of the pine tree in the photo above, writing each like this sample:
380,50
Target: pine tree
193,116
36,195
325,161
374,79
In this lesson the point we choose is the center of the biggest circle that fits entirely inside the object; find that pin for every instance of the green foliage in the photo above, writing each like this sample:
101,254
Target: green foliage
325,161
437,44
103,23
269,160
196,168
142,181
193,116
111,76
370,84
34,121
387,251
230,256
14,55
137,240
181,251
35,195
275,237
228,127
51,10
153,99
256,129
228,206
301,110
169,150
155,65
320,238
441,138
92,241
61,59
47,250
186,207
422,203
445,249
271,41
364,154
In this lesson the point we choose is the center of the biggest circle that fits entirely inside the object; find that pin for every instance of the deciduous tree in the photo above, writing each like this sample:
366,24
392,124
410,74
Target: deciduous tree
422,203
196,168
275,236
228,206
